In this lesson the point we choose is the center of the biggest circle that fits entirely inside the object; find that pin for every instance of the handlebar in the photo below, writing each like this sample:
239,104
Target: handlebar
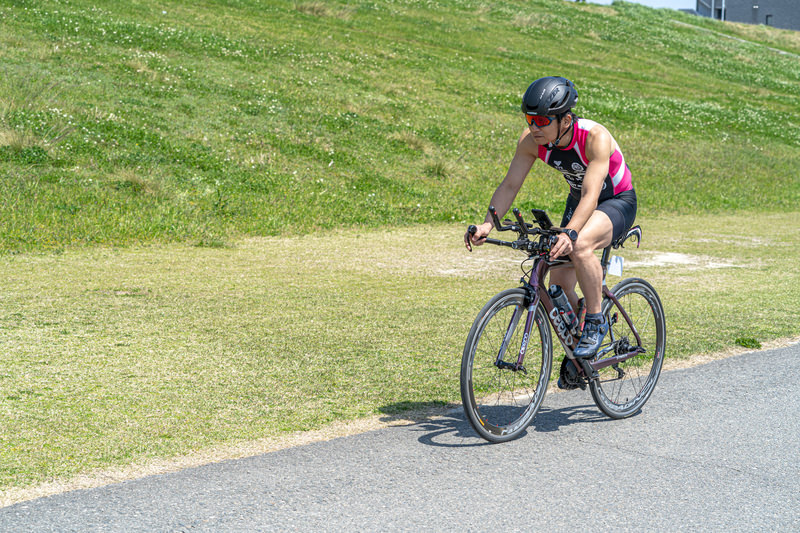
473,229
547,234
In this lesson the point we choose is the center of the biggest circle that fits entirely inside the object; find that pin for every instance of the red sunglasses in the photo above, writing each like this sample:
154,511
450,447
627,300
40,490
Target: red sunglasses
539,120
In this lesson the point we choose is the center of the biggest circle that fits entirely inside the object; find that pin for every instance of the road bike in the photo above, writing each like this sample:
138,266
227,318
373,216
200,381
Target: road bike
507,361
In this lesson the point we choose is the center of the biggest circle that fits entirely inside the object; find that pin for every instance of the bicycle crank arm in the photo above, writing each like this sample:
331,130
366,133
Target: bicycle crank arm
588,369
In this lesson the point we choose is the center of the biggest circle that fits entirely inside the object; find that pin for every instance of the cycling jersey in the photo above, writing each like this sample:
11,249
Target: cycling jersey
572,162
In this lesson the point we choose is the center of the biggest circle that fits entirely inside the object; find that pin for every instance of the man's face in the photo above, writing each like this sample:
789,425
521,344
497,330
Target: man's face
543,128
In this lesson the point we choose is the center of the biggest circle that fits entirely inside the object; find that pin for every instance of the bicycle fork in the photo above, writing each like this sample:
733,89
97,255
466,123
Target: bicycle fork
512,327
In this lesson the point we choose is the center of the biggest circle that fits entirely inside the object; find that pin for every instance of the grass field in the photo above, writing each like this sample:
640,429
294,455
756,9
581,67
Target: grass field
227,220
125,122
116,356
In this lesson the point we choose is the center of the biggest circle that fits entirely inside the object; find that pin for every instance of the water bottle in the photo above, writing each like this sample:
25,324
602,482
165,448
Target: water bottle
564,308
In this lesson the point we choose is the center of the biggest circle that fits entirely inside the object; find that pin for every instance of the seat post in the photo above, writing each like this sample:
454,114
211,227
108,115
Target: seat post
605,258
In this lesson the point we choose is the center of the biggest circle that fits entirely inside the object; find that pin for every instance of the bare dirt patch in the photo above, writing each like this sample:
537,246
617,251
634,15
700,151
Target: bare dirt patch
685,261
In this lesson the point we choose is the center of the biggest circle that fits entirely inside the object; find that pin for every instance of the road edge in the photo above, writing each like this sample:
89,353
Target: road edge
101,478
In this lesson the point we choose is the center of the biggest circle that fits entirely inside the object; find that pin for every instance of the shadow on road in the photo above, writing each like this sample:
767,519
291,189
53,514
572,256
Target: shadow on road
449,428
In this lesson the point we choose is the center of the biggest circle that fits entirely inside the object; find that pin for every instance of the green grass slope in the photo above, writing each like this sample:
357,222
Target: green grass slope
146,121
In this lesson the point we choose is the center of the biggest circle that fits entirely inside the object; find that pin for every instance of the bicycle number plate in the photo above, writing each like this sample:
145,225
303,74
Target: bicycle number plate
615,267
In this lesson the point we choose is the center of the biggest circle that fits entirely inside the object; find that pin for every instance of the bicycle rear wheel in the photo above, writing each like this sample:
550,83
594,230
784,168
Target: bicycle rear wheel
499,400
622,389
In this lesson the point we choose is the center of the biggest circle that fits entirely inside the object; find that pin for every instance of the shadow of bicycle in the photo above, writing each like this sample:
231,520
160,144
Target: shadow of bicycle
448,426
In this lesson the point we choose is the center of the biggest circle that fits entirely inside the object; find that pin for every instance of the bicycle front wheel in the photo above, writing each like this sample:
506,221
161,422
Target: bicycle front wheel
622,389
500,399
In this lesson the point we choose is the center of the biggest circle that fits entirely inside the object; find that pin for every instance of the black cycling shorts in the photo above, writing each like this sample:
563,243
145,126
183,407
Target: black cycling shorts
621,209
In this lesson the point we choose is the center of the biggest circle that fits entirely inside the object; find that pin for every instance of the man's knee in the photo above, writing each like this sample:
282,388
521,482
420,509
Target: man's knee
582,248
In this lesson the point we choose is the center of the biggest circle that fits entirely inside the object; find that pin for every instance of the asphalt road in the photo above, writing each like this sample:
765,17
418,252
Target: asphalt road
717,448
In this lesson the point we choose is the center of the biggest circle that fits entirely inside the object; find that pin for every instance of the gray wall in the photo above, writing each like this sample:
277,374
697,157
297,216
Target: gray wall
778,13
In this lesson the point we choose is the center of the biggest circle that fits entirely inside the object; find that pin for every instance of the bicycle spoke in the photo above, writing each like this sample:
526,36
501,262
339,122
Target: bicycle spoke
501,401
620,396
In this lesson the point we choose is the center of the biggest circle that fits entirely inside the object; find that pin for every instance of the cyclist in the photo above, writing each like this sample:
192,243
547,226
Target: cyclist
601,204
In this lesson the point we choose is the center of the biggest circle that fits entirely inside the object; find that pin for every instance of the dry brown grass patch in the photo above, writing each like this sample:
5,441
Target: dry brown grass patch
321,9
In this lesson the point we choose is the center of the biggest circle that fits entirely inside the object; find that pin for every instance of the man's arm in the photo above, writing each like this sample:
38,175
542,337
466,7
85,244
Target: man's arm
598,152
503,197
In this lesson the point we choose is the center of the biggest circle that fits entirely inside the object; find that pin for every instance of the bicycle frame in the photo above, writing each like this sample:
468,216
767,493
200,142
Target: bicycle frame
538,293
500,404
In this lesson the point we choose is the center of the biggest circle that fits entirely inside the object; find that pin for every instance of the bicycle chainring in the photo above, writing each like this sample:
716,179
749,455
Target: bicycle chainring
570,377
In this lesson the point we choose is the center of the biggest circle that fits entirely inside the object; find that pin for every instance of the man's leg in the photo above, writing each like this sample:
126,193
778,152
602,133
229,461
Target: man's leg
596,233
566,279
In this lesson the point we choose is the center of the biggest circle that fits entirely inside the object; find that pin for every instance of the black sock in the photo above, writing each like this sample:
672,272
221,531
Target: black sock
595,318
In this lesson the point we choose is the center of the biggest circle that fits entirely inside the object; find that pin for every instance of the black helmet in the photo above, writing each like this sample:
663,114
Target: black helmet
552,95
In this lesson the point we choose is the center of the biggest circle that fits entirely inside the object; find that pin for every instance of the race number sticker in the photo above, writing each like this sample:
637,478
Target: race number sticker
615,267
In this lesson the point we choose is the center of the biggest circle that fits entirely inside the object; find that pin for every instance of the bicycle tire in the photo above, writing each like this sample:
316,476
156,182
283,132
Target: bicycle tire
501,403
622,390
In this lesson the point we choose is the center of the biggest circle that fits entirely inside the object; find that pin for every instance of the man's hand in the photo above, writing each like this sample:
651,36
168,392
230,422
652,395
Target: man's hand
563,246
479,237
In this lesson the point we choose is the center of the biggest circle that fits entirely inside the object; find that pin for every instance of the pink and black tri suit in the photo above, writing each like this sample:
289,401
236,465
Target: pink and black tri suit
617,198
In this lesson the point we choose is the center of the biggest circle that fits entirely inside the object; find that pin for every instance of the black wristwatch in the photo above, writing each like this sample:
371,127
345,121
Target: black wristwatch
571,233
